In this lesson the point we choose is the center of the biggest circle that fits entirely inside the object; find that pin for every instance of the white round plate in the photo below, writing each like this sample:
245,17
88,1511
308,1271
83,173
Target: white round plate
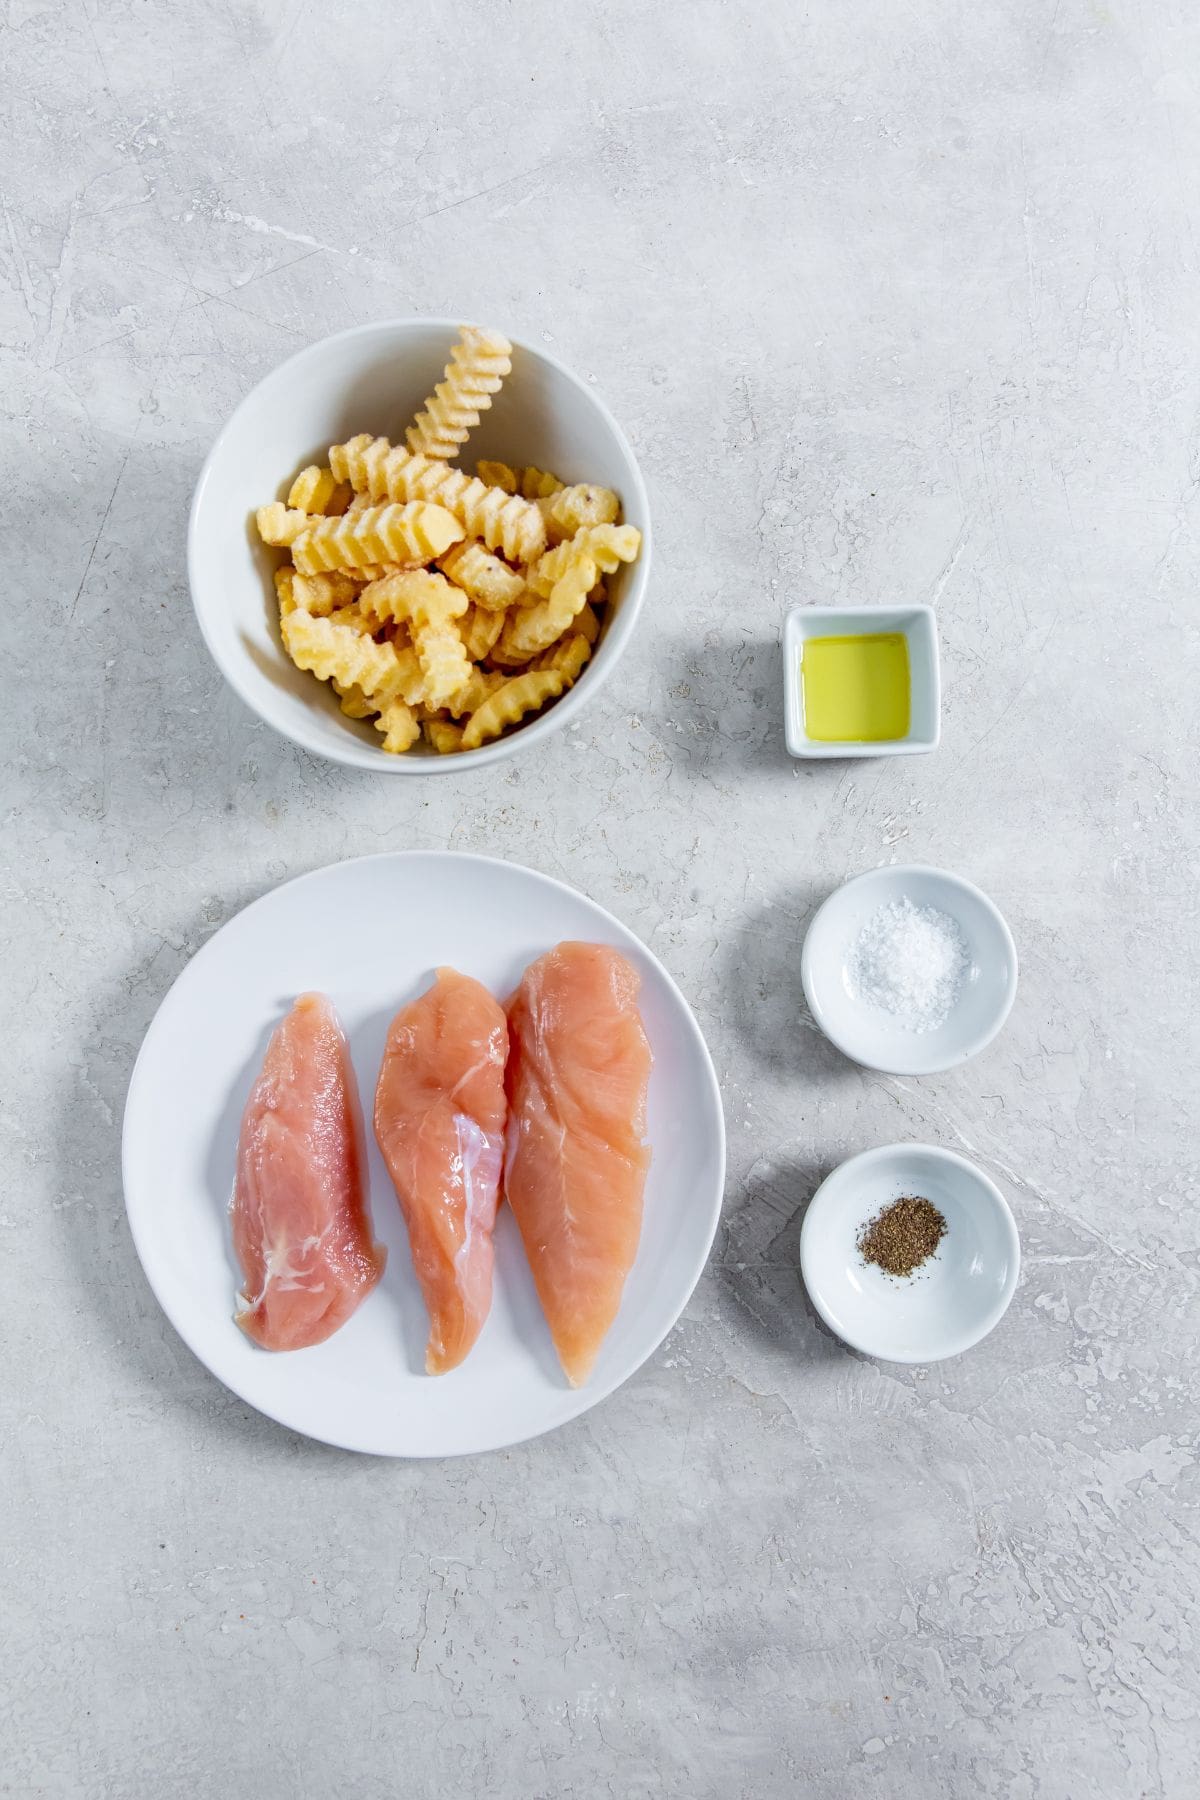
872,1037
370,934
945,1306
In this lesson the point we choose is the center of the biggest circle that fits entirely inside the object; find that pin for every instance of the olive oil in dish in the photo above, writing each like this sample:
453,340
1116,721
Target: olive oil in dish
856,689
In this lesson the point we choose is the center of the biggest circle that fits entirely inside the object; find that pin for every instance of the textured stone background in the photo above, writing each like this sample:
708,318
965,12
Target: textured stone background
896,302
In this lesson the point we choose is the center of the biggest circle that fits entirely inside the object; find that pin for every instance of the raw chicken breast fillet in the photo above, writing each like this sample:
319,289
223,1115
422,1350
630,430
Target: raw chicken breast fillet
439,1119
578,1073
301,1224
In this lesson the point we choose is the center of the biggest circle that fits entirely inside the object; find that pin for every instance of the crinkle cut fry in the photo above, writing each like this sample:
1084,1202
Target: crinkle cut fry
323,594
475,373
444,735
419,596
497,474
334,652
537,484
489,581
353,618
399,723
280,525
428,604
317,490
470,697
479,631
509,704
444,662
528,630
406,681
415,530
588,622
354,702
569,656
607,545
285,589
505,522
576,508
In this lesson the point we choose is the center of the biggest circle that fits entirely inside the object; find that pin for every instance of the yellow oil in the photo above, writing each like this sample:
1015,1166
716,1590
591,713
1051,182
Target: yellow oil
856,689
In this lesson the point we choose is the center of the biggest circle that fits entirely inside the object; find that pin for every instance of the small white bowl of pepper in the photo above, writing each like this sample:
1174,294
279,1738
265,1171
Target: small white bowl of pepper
909,1253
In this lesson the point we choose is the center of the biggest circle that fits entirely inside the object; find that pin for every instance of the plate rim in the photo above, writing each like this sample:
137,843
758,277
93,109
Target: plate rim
139,1075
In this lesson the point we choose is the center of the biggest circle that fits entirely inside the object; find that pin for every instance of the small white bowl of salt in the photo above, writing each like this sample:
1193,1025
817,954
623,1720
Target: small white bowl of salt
909,970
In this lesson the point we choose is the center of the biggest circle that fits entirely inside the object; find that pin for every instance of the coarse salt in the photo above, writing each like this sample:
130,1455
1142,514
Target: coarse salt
909,961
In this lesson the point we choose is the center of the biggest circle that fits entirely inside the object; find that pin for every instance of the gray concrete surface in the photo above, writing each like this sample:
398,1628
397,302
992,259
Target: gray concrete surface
896,302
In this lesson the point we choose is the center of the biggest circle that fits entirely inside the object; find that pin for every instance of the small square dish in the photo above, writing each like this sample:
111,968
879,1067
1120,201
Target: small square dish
876,681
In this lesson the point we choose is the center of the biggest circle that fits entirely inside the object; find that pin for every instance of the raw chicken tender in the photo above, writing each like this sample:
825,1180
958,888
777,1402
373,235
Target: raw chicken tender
578,1073
301,1224
439,1118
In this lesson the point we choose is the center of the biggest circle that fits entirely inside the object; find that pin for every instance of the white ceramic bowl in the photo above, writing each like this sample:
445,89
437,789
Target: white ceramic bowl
874,1038
951,1301
917,625
373,379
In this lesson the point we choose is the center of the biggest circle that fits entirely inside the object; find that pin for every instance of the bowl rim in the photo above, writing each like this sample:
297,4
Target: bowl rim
917,1065
969,1337
369,757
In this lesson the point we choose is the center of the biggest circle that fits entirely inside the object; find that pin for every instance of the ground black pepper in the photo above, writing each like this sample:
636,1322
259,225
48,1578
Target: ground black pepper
903,1236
